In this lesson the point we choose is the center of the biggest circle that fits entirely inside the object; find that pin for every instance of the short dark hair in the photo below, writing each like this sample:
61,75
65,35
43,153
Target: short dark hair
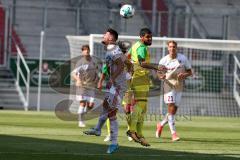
172,41
86,46
113,33
144,31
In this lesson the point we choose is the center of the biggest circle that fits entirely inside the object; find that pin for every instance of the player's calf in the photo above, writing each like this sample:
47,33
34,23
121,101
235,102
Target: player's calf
159,130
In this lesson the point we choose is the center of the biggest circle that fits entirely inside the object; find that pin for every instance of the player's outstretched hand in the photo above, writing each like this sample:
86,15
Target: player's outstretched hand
181,76
162,68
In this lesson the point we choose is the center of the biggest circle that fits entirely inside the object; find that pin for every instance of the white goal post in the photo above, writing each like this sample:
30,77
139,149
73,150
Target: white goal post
208,92
236,80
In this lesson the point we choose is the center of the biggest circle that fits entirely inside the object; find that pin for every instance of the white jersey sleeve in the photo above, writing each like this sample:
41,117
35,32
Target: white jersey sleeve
163,61
184,61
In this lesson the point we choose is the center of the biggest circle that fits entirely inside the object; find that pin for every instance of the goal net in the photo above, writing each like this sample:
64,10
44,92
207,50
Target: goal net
213,90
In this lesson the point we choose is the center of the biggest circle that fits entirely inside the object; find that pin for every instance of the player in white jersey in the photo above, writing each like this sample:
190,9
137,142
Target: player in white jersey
116,88
85,75
178,68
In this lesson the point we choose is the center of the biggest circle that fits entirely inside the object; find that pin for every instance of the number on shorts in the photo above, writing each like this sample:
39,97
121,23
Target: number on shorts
170,98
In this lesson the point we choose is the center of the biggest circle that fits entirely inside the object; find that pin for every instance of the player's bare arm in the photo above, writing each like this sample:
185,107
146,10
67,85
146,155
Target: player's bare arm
100,82
182,76
77,80
129,65
148,66
151,66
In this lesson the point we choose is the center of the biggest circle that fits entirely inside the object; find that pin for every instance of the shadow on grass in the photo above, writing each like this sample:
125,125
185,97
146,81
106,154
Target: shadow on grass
25,148
214,140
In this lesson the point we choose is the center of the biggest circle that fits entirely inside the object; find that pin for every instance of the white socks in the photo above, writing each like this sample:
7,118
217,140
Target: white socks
81,112
171,123
165,120
85,109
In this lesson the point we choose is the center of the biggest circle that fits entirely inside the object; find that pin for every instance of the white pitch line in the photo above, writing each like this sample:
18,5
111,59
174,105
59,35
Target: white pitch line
131,155
89,154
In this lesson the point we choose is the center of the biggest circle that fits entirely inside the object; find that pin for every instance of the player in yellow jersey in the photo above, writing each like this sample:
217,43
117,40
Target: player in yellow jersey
140,57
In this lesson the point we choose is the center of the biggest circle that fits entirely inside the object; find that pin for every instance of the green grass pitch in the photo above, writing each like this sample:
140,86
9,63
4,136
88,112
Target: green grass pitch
42,136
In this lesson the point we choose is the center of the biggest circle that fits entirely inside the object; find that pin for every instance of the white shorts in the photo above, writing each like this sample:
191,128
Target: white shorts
114,96
86,96
173,97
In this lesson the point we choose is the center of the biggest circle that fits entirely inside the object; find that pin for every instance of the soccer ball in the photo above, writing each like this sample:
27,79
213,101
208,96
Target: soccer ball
127,11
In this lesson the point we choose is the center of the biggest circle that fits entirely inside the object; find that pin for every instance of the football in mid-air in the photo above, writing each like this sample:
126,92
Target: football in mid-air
127,11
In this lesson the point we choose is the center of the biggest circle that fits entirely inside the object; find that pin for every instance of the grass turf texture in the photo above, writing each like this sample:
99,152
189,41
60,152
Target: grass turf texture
42,136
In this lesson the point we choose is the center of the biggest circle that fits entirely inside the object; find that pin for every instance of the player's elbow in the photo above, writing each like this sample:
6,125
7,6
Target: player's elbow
142,64
190,73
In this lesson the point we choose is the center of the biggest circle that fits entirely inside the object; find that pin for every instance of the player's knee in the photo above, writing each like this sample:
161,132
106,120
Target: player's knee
90,105
83,103
128,108
112,115
172,109
171,105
